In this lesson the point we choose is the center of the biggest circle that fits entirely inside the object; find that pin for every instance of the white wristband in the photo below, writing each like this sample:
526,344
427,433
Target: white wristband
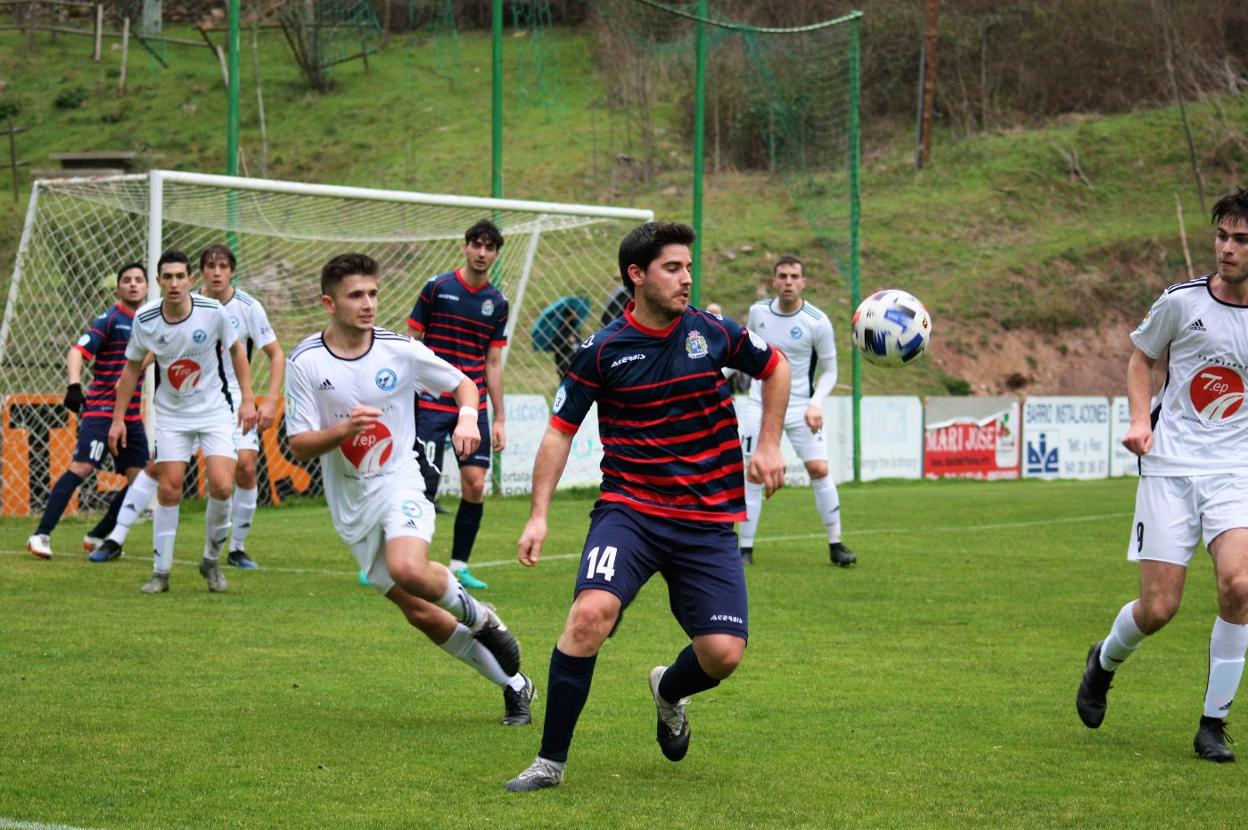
469,411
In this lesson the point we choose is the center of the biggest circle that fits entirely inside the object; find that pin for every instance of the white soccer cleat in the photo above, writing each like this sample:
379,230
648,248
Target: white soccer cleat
540,775
90,543
39,546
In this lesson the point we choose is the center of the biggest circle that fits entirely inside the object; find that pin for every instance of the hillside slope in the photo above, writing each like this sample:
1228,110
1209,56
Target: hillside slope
1036,251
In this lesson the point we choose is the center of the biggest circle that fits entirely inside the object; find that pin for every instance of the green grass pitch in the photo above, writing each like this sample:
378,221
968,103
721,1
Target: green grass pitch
930,686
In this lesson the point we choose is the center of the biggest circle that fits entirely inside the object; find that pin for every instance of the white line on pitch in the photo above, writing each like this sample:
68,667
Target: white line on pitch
14,824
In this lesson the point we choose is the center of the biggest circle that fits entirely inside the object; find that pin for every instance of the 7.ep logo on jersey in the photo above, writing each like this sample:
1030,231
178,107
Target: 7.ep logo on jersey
1217,392
369,451
184,375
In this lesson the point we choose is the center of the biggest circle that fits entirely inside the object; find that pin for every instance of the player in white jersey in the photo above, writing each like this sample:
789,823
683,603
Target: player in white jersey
804,334
1193,487
350,399
248,318
188,336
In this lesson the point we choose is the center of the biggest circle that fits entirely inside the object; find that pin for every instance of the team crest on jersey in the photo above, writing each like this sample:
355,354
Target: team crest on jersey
386,379
184,374
560,397
411,509
1217,393
795,333
369,451
235,322
695,344
487,308
199,336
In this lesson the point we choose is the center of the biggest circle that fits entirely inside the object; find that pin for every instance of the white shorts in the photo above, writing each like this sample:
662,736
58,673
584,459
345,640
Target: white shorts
180,444
1173,514
246,440
810,446
409,514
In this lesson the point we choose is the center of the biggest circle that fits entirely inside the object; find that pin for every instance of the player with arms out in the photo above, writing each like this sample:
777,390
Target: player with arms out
189,337
804,333
1193,451
350,392
462,318
248,318
105,343
671,488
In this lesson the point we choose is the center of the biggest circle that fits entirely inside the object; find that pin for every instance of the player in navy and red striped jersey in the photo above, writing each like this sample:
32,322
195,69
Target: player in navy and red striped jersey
462,318
104,342
672,485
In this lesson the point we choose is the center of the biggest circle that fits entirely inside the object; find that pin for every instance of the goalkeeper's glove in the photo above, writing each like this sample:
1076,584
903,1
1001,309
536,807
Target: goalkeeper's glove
74,399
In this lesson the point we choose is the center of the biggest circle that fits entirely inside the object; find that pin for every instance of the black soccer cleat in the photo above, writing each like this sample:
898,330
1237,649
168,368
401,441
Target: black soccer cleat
1090,702
240,559
499,642
1211,741
517,706
841,555
106,552
747,556
673,725
439,510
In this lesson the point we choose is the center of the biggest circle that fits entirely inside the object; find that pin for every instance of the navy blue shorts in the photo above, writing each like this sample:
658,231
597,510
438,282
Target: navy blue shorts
93,444
433,427
700,562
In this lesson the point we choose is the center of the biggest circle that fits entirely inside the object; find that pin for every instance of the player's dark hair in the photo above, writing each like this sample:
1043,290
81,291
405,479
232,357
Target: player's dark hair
644,242
129,265
218,251
172,256
787,259
1231,206
484,230
347,265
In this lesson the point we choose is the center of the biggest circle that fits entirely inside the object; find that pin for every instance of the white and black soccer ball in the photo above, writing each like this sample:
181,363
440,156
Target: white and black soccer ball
892,328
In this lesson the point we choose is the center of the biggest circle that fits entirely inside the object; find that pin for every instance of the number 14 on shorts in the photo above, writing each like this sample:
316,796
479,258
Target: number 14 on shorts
603,565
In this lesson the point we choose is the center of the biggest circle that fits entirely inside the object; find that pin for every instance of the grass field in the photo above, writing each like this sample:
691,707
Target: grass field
931,686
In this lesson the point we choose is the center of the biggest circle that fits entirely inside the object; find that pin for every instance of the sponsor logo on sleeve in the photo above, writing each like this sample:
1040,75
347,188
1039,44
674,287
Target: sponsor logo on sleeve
560,398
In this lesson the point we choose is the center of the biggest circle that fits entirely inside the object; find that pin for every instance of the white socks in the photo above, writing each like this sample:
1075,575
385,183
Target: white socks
828,503
463,646
164,534
1123,639
242,512
460,603
1227,645
753,509
138,497
216,527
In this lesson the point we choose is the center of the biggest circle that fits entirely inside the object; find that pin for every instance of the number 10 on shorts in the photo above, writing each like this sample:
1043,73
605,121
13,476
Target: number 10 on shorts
604,566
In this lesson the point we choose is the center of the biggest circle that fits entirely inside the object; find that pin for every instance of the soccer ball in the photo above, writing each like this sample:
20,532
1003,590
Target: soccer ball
892,328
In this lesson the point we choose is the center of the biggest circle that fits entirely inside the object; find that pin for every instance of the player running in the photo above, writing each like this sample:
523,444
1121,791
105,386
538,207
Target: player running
1193,451
671,488
104,342
804,333
188,335
350,393
462,318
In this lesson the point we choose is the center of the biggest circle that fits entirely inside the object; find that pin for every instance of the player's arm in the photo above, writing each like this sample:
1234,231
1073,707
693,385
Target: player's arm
552,457
467,436
267,411
1139,438
74,399
494,388
242,371
825,350
316,442
124,391
766,463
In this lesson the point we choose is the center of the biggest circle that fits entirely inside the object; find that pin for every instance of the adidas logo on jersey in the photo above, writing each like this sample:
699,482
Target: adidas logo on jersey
1197,326
326,386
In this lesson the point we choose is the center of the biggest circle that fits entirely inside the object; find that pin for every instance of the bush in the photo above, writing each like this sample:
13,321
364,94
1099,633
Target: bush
70,99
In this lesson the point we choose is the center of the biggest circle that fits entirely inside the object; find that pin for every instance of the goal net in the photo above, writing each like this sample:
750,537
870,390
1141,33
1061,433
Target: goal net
558,260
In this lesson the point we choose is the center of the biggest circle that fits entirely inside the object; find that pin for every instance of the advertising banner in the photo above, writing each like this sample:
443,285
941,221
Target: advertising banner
1066,437
967,437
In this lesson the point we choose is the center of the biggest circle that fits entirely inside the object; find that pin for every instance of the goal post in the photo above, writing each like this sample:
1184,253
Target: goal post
79,231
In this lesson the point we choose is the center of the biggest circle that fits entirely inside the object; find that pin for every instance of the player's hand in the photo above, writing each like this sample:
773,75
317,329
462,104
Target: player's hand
1139,439
74,399
767,468
466,437
247,416
498,435
266,414
116,437
361,419
531,541
814,418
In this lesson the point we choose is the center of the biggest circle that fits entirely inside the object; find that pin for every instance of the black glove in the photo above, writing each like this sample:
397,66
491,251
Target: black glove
74,399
